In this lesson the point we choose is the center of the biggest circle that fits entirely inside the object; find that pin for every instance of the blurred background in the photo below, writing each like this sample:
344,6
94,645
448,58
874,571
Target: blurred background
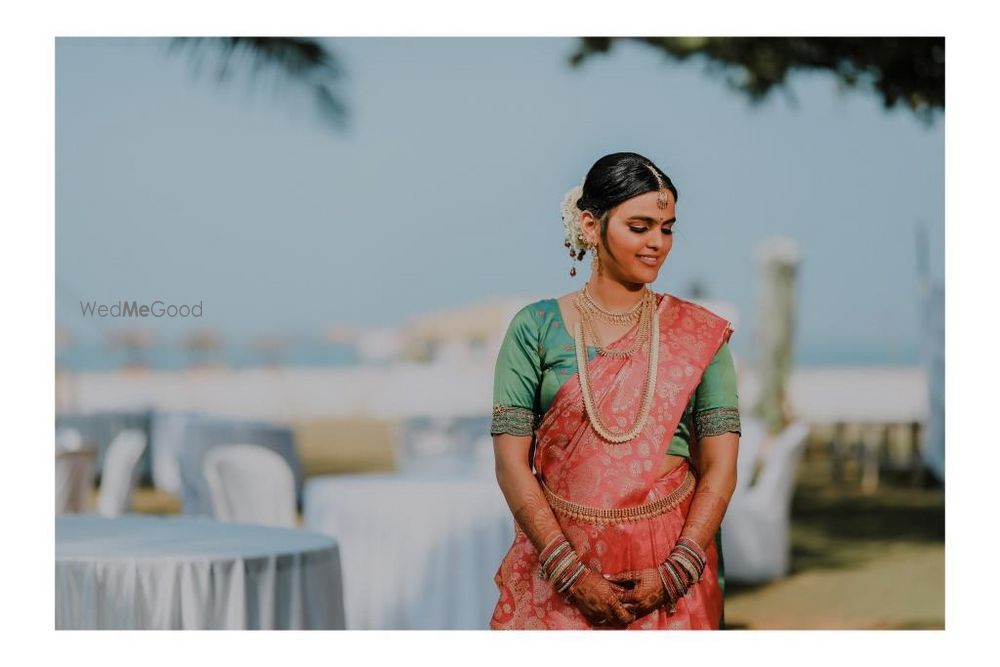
338,232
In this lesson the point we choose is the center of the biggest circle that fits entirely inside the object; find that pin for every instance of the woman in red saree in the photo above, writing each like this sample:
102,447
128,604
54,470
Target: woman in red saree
618,467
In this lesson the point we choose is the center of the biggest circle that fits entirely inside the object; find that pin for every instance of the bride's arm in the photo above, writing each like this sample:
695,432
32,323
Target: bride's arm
521,489
716,484
717,429
596,597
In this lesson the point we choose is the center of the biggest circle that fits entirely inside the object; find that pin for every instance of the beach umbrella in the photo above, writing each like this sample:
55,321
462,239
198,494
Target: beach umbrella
272,348
202,346
135,342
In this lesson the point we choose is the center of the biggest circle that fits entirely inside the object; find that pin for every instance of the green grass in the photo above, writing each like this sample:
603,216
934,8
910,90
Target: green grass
858,561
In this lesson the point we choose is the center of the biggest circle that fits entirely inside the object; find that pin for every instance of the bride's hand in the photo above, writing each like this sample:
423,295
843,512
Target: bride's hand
599,601
642,591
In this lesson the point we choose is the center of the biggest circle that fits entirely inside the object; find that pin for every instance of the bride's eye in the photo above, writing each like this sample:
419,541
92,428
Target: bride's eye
638,230
668,232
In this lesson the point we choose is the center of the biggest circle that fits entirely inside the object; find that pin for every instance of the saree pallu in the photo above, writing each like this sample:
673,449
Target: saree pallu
574,464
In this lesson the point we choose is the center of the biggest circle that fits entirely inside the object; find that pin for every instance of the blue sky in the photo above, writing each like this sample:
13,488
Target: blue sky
445,187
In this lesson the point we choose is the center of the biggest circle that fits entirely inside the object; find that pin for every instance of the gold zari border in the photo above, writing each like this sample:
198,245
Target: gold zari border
715,421
621,514
513,420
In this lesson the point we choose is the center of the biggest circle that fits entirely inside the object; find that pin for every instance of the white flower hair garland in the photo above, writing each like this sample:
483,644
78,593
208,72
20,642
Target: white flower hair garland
571,221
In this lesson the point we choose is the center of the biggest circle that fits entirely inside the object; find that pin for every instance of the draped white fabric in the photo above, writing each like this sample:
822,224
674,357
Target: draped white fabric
148,572
121,472
179,442
74,472
419,550
250,484
756,542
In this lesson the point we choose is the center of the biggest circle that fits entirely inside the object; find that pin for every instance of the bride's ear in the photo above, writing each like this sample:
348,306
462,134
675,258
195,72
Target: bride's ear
588,224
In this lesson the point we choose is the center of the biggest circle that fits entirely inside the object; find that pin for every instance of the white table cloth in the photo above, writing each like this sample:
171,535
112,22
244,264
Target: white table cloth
151,572
419,550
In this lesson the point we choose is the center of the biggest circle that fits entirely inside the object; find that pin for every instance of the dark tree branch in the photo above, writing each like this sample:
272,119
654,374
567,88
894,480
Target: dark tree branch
907,70
302,60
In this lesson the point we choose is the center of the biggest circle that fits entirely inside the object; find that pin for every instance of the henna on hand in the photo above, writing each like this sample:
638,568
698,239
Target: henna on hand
647,593
536,520
596,598
705,515
600,602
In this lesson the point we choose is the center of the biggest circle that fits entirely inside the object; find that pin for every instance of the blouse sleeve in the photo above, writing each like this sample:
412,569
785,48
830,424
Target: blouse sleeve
716,407
516,377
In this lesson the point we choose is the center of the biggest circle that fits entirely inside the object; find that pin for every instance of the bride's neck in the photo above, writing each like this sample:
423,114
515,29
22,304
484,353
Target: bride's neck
615,295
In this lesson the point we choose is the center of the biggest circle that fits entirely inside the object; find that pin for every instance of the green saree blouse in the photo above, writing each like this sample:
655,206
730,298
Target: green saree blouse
538,355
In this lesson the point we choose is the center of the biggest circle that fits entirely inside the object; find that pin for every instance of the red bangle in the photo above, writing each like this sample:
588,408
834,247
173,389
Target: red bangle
672,595
682,560
547,550
675,578
576,584
694,549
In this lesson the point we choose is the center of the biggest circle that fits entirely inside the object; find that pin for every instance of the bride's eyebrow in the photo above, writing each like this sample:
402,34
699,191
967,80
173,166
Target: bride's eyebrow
644,218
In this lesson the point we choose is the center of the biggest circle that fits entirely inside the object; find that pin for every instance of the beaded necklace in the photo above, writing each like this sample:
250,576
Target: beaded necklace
644,316
610,316
647,314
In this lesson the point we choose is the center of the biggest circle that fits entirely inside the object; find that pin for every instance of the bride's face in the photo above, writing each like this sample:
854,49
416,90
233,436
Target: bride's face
640,235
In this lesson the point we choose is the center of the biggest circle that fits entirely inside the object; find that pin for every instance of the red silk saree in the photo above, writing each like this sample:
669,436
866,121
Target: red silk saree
578,469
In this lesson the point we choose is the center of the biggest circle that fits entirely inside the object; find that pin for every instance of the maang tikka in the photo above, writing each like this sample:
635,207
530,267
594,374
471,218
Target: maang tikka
662,199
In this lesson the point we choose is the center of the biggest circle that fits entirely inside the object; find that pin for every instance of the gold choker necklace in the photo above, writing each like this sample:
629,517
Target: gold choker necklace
612,317
645,320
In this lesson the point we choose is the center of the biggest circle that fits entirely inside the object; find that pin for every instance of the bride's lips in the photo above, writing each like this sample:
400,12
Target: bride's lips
647,260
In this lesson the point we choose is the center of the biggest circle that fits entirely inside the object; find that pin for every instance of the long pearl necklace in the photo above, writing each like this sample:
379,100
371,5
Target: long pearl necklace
647,399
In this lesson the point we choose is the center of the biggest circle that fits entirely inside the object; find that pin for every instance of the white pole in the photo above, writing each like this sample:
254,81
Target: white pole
779,260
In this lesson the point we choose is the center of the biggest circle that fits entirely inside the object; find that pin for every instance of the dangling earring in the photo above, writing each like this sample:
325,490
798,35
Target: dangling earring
577,255
595,261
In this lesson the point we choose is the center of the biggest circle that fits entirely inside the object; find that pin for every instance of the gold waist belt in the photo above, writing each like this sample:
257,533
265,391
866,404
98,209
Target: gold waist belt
621,514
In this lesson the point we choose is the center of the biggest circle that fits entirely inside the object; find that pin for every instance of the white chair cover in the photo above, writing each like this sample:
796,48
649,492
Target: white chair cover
68,439
752,435
180,441
120,473
74,476
74,470
755,531
250,484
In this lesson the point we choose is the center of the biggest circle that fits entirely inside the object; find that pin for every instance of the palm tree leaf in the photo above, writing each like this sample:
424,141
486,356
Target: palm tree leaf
303,61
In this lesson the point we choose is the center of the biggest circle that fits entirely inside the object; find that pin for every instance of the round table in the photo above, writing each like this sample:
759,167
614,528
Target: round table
153,572
420,550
